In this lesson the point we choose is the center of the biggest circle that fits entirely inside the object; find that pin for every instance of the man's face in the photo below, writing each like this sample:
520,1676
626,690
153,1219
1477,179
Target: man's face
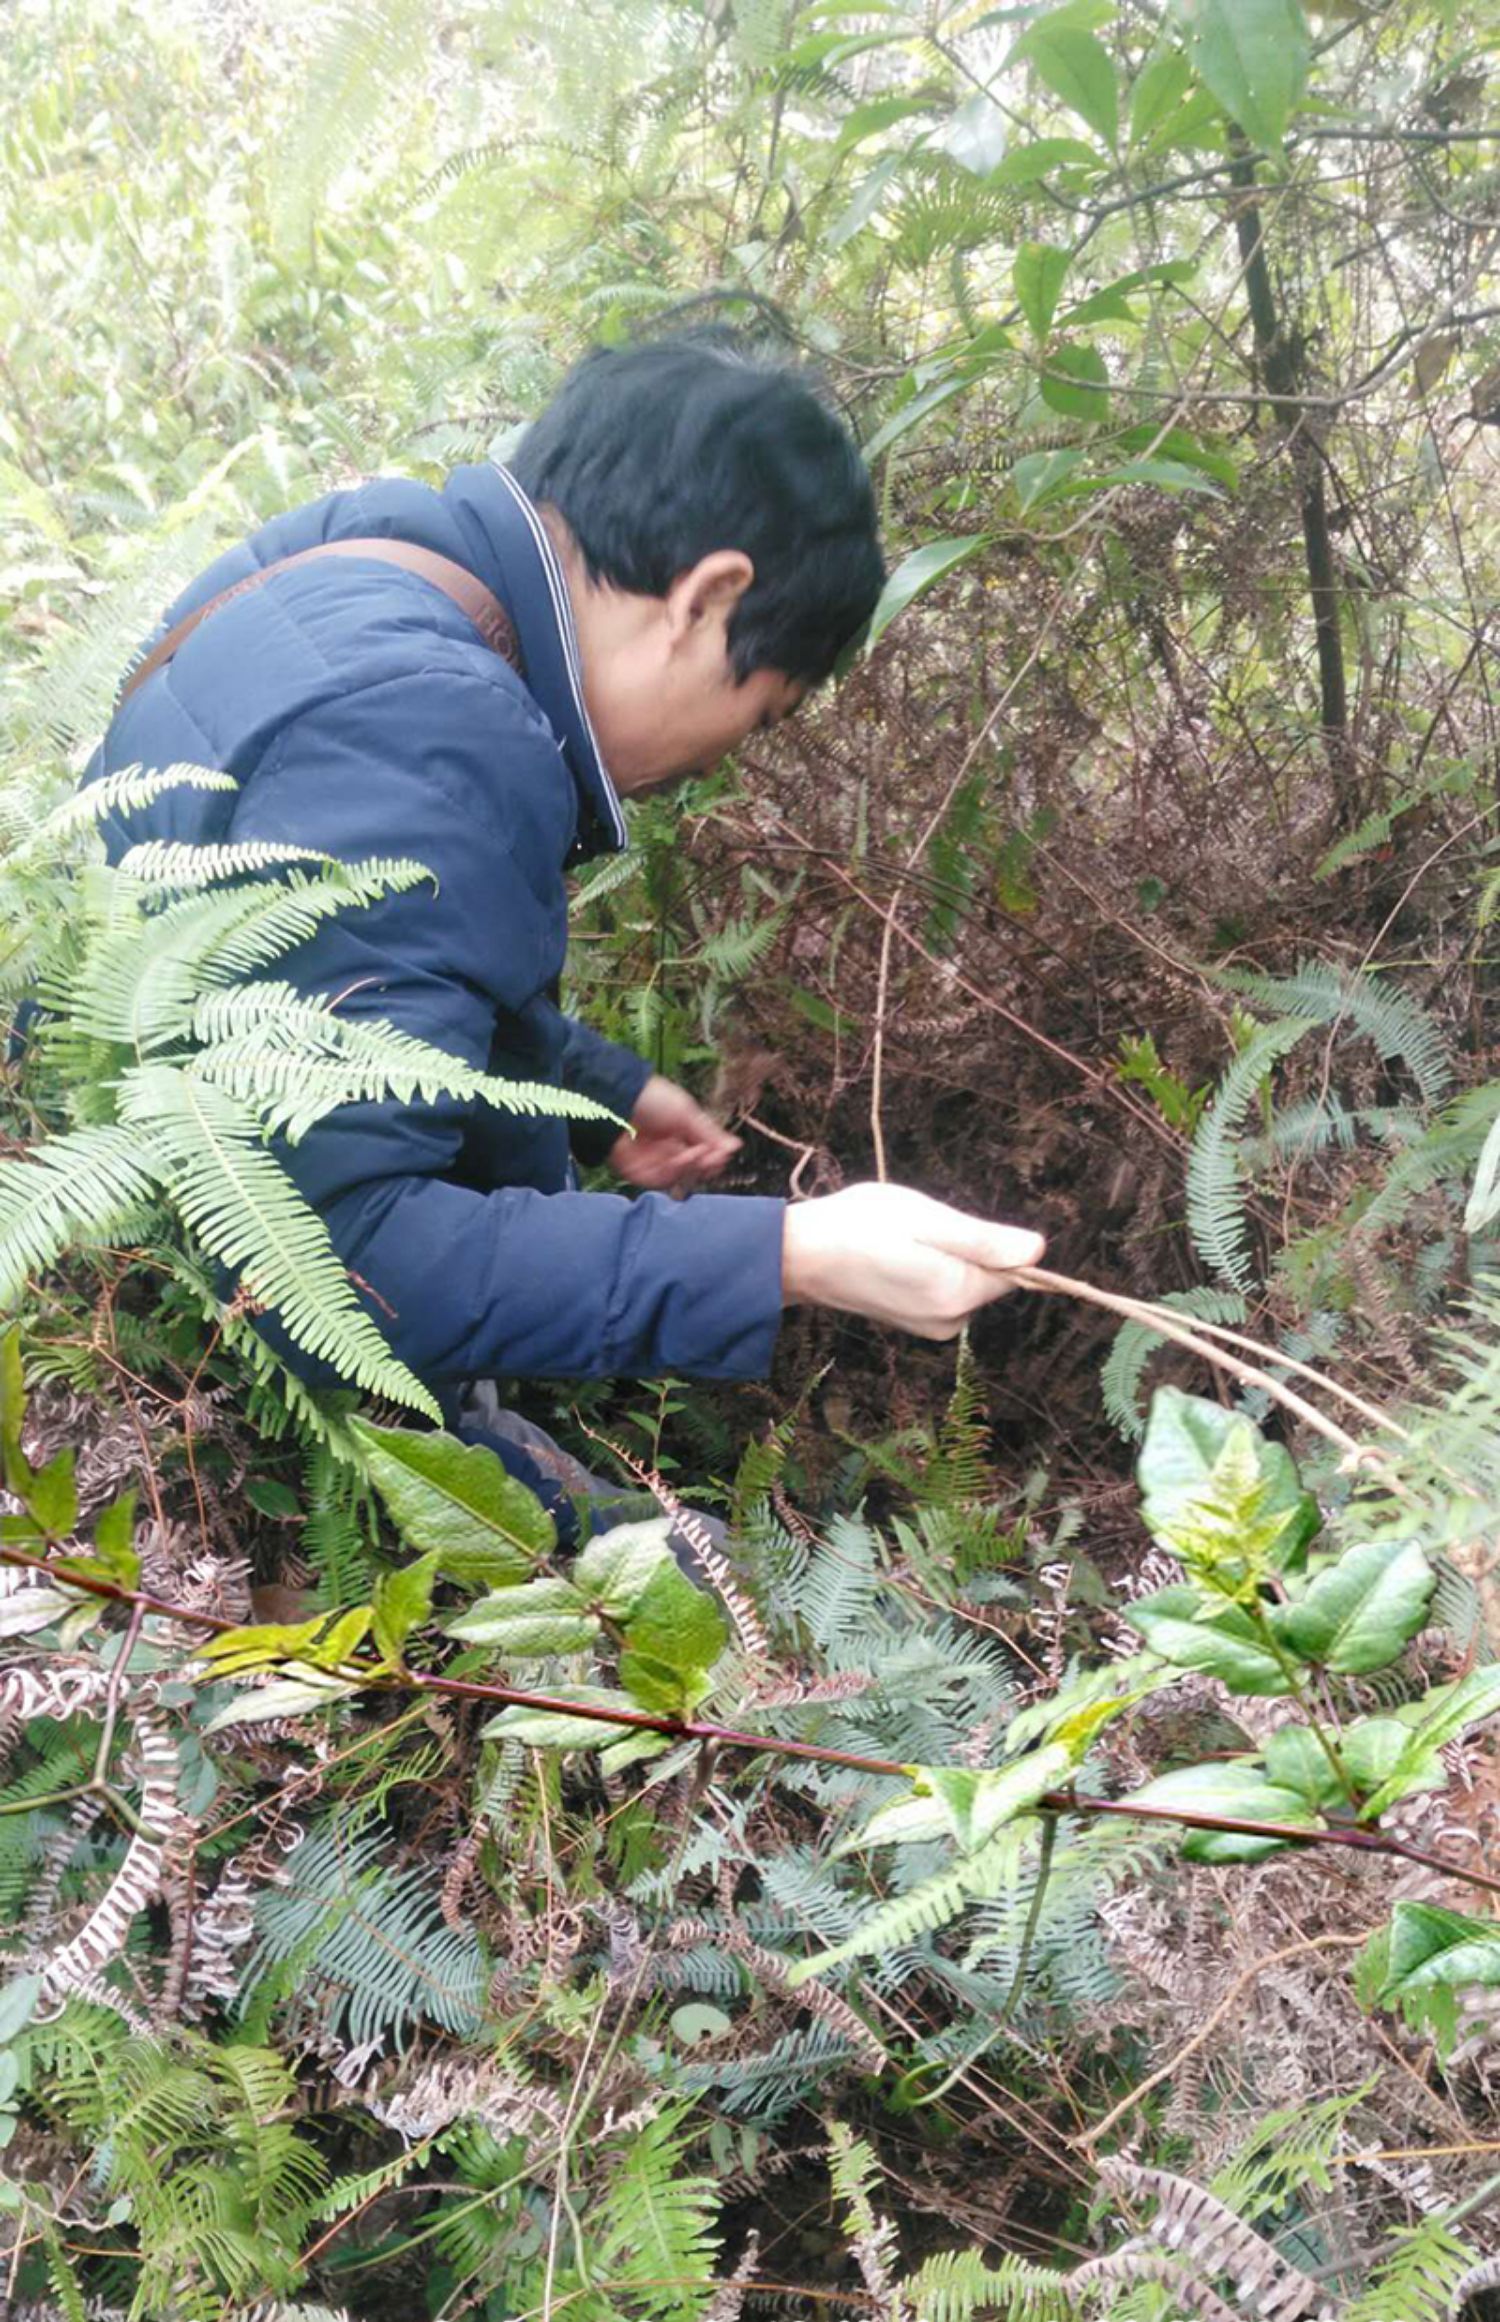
661,687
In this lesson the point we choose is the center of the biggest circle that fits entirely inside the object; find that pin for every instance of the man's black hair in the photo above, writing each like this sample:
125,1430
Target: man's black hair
655,455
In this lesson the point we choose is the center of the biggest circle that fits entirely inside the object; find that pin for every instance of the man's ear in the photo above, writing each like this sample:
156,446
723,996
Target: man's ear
708,590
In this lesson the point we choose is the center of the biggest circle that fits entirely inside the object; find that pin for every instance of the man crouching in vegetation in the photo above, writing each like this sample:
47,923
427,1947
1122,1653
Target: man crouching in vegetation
681,548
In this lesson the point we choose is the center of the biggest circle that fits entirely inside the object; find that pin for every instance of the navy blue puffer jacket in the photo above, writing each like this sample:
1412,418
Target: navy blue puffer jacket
360,713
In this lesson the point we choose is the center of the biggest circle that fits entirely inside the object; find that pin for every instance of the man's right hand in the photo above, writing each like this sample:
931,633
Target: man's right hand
894,1255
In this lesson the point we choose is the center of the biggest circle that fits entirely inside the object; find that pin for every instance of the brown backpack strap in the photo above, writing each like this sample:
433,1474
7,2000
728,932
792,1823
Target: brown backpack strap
470,595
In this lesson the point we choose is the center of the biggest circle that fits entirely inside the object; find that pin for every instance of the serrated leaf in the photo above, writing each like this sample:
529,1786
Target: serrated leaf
916,573
458,1500
1438,1718
1176,1623
542,1616
1240,1792
677,1624
616,1567
1078,68
1185,1439
1038,272
1075,382
1253,56
1433,1947
1356,1616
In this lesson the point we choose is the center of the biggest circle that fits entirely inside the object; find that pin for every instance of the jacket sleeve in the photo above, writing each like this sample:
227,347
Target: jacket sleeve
595,1067
464,776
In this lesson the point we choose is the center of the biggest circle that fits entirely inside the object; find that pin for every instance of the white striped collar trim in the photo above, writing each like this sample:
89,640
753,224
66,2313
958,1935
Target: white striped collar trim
562,608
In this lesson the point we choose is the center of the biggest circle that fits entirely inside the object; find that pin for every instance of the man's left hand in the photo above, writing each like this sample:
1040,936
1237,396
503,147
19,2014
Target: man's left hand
675,1140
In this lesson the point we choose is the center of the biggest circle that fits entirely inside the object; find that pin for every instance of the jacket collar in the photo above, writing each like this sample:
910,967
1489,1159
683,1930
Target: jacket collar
511,553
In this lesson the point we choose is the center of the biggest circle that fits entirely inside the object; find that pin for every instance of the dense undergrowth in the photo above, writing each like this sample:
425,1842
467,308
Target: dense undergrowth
1137,883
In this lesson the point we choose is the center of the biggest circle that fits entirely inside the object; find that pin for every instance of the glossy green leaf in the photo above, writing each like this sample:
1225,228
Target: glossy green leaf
458,1500
1158,89
17,1471
864,202
1238,1791
114,1538
1078,68
541,1616
1178,445
696,2024
1184,1441
25,1610
1357,1615
879,113
672,1639
18,1998
1038,272
1384,1761
1170,475
1222,1642
1437,1719
1040,477
53,1496
403,1600
286,1696
615,1568
270,1497
1075,381
1039,156
1253,56
554,1729
917,573
1294,1759
916,409
1430,1946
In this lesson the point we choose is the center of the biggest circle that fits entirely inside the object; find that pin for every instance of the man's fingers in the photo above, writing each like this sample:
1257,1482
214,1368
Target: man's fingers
999,1249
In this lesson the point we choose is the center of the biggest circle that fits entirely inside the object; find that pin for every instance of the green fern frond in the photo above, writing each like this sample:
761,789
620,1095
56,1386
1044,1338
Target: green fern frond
1401,1031
294,1060
77,1188
1444,1154
934,1902
126,791
144,973
170,863
1215,1200
361,67
365,1947
242,1206
656,2229
958,2286
1416,2283
1136,1342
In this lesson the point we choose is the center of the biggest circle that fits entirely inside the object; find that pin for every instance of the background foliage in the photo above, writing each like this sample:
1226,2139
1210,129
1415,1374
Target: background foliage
1139,881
